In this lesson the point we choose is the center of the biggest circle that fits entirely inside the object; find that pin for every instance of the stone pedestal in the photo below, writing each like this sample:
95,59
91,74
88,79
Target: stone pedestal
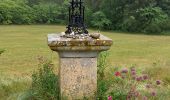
78,64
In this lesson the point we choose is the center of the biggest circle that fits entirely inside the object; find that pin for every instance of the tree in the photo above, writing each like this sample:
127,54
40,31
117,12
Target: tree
33,2
100,21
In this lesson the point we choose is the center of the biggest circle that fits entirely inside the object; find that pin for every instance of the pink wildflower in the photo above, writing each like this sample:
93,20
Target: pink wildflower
133,73
139,78
110,98
117,74
125,70
153,93
145,77
144,98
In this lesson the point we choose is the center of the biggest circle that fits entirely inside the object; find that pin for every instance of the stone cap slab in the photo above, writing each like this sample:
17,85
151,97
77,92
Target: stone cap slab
58,43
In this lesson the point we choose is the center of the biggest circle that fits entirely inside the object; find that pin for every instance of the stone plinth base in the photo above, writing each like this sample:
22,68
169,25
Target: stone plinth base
78,64
78,78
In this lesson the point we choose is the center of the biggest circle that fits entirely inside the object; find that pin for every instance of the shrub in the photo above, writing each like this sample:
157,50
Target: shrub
5,14
150,19
15,12
88,17
166,26
130,24
153,28
45,85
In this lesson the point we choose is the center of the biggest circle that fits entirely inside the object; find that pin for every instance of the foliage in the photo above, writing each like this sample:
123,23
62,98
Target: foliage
44,14
152,18
99,20
148,20
45,83
15,12
148,16
102,83
102,65
139,16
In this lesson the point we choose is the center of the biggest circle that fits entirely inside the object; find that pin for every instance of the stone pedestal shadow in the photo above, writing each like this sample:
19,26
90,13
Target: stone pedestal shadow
78,64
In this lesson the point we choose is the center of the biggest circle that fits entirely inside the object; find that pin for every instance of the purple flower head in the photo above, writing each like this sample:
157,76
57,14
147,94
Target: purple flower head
129,96
139,78
124,70
145,77
153,93
158,82
144,98
109,97
133,72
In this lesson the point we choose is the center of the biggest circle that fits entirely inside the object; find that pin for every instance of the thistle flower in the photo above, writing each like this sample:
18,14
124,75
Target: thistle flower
129,97
133,72
139,78
158,82
153,93
145,77
109,97
144,98
125,70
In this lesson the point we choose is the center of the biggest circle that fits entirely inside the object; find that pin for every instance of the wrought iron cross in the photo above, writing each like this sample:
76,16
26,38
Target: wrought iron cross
76,18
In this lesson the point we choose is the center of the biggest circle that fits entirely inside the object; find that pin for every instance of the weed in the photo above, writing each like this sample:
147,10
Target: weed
45,83
102,65
102,83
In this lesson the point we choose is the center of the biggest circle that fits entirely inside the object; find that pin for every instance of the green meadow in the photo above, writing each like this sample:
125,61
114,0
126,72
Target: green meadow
24,44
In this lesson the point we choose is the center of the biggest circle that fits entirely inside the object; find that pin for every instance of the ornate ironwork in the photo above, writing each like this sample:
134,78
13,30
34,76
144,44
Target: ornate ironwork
76,18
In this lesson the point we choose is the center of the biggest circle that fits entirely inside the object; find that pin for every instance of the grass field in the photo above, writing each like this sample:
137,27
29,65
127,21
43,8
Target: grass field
24,44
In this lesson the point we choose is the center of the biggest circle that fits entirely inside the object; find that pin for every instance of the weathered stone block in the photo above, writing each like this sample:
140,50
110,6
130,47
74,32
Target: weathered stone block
78,77
78,64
